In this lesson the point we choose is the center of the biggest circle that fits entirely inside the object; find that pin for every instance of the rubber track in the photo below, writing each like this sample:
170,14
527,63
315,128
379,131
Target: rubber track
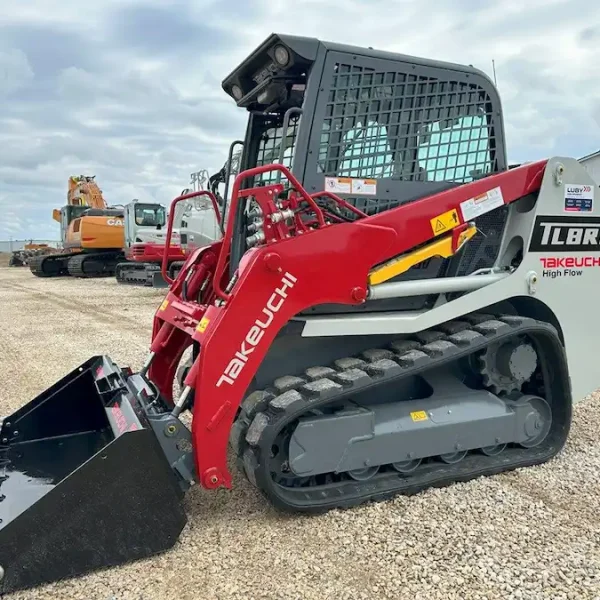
266,412
36,265
124,273
77,267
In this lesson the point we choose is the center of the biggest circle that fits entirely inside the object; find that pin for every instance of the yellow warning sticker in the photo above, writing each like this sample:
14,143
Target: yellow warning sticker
202,325
418,415
164,305
444,222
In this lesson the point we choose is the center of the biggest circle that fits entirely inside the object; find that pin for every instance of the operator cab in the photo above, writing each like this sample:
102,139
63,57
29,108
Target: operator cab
376,128
150,215
144,222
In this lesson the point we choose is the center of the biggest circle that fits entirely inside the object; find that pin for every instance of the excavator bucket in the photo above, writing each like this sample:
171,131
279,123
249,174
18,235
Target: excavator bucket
85,480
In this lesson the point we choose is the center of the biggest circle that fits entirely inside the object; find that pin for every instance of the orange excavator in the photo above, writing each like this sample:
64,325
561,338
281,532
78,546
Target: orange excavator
92,234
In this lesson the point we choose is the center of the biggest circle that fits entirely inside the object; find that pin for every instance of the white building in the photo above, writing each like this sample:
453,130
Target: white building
591,162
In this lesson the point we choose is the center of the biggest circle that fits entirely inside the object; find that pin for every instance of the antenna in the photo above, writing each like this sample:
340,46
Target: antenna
494,69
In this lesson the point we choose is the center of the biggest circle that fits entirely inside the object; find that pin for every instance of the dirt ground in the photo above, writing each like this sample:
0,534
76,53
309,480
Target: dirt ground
530,534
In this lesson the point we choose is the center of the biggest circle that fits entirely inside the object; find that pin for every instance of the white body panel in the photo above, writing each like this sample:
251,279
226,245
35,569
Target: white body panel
571,293
199,225
136,233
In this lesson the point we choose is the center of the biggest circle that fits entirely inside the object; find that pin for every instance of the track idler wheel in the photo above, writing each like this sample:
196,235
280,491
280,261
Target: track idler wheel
363,474
493,450
407,466
453,457
538,422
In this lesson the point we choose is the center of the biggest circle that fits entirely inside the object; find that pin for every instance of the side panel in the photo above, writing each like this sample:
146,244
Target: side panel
101,232
558,279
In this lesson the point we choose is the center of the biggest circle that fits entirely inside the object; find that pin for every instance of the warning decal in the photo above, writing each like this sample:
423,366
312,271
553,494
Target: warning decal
201,328
348,185
338,185
484,203
444,222
418,415
364,186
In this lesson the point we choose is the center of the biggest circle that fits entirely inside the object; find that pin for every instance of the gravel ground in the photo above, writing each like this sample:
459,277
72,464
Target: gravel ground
529,535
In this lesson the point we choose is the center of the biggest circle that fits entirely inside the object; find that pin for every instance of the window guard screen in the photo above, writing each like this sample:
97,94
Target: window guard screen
388,124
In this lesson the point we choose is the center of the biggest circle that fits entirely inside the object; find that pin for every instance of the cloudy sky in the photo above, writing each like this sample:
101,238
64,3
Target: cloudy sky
129,90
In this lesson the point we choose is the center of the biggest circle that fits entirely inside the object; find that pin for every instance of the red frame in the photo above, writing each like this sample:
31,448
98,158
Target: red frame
153,252
275,282
174,203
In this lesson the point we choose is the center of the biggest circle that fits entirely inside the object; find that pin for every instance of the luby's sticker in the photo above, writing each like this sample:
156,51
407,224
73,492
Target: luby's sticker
579,198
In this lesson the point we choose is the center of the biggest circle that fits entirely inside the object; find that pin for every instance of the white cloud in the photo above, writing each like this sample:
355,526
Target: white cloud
15,71
129,90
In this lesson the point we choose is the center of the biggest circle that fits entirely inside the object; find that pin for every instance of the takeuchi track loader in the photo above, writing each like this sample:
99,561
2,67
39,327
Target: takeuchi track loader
390,308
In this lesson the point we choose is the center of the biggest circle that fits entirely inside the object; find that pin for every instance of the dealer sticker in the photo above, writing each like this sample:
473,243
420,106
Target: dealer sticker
579,198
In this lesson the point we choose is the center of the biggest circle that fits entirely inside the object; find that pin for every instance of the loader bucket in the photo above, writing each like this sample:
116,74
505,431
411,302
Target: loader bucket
84,481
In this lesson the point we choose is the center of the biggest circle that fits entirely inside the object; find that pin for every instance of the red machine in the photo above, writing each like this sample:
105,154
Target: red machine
144,261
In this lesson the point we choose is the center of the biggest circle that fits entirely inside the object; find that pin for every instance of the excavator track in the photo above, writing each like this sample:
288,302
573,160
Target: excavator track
53,265
269,418
133,273
99,264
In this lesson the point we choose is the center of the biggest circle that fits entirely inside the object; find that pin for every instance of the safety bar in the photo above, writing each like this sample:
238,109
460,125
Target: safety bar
227,176
294,110
225,248
164,264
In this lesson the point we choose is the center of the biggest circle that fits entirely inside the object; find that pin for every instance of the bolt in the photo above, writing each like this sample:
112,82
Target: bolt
367,462
170,430
214,479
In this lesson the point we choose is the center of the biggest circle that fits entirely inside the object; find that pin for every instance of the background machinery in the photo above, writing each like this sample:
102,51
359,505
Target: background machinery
145,244
384,314
21,258
91,234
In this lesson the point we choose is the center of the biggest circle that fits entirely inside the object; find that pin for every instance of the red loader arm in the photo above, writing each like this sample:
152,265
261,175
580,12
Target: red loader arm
292,272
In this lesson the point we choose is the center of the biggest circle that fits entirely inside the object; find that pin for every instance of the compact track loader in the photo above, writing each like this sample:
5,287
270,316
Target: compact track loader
387,311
